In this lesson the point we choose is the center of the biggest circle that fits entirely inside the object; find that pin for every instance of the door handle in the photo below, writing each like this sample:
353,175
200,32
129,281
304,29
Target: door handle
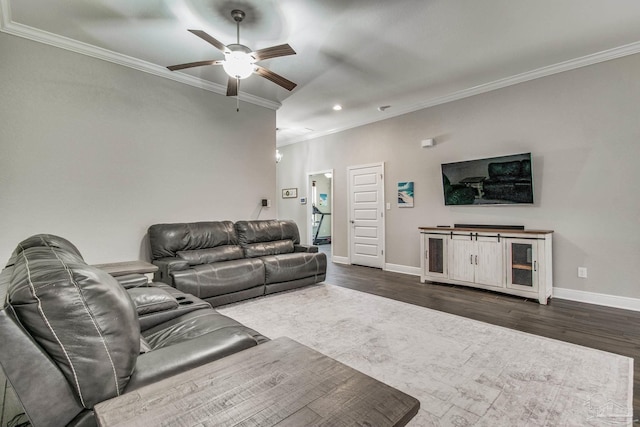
471,259
476,259
535,265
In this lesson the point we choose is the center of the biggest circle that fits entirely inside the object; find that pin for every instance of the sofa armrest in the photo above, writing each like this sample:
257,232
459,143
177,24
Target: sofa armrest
167,361
303,248
134,280
166,266
152,300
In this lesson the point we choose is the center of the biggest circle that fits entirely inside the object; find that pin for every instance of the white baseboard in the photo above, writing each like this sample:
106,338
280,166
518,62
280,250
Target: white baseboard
340,259
397,268
598,299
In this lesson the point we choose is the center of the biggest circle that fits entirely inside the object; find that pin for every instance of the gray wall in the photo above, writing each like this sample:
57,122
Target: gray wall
96,152
583,131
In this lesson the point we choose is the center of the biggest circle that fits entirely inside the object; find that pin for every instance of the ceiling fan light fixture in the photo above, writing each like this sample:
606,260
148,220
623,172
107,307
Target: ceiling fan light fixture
238,64
240,61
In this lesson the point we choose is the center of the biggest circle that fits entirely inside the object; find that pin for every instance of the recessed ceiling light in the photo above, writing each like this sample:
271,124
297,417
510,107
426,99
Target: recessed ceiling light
337,107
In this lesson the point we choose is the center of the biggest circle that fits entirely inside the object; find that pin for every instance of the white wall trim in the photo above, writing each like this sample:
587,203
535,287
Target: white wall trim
626,303
340,259
405,269
572,64
16,29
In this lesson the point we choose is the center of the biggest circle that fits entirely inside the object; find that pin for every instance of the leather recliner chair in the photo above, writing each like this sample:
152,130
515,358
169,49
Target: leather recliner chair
71,334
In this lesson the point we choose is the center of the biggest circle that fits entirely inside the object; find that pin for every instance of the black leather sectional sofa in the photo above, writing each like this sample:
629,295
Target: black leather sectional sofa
222,262
72,336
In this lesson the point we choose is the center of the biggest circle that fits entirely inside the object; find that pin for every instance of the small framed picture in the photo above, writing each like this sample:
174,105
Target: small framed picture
405,194
289,193
303,200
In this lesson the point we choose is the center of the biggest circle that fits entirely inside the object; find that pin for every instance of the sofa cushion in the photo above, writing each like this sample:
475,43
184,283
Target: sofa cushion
266,231
167,239
254,250
80,316
210,255
209,280
282,268
152,299
187,354
192,325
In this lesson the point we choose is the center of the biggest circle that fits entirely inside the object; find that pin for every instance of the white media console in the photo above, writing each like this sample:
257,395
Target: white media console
516,262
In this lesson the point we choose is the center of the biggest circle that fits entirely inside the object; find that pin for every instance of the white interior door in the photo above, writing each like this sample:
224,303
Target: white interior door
366,215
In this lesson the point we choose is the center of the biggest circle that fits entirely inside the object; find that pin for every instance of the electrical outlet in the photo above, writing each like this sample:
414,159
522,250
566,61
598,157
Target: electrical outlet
388,206
582,272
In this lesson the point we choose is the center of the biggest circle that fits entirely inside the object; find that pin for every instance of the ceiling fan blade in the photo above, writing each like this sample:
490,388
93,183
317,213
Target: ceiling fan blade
195,64
276,78
232,86
273,52
206,37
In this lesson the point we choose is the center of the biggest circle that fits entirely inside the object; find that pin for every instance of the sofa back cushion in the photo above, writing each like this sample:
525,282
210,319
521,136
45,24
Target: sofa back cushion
167,240
269,230
211,255
254,250
80,316
44,240
267,237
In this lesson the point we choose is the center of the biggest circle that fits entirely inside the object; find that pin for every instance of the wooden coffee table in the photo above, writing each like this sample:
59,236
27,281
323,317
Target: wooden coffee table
278,383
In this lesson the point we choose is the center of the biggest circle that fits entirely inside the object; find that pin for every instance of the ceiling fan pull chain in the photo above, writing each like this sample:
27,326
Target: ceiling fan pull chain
238,96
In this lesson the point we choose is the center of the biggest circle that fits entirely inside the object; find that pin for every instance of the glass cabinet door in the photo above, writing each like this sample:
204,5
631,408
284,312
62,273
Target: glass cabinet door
522,264
435,255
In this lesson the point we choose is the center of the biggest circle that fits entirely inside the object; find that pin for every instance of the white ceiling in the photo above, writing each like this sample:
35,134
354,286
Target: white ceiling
362,54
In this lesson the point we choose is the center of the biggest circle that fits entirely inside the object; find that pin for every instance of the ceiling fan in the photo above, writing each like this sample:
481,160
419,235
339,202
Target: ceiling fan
240,61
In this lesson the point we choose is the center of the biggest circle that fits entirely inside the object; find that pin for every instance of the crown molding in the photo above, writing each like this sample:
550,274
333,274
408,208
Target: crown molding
10,27
606,55
20,30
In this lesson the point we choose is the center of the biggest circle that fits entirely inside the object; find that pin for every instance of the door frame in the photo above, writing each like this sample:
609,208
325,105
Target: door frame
383,242
309,215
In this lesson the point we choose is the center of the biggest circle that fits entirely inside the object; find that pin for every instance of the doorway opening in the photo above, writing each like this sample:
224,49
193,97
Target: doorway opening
319,209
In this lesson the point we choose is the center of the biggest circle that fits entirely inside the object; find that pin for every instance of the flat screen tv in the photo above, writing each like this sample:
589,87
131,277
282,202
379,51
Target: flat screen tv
505,180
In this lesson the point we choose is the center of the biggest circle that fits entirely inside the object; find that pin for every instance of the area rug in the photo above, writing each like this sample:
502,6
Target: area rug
464,372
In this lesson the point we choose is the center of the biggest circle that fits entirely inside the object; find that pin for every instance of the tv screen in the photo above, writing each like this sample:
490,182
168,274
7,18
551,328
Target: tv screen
504,180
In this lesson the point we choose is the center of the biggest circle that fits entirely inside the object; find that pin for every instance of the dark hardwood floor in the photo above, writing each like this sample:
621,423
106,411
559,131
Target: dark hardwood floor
603,328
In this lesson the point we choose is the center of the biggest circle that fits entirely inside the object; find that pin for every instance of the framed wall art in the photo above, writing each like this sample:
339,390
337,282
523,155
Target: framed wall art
405,194
289,193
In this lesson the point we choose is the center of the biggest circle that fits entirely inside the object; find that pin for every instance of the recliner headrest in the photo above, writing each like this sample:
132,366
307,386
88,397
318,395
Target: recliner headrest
78,314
